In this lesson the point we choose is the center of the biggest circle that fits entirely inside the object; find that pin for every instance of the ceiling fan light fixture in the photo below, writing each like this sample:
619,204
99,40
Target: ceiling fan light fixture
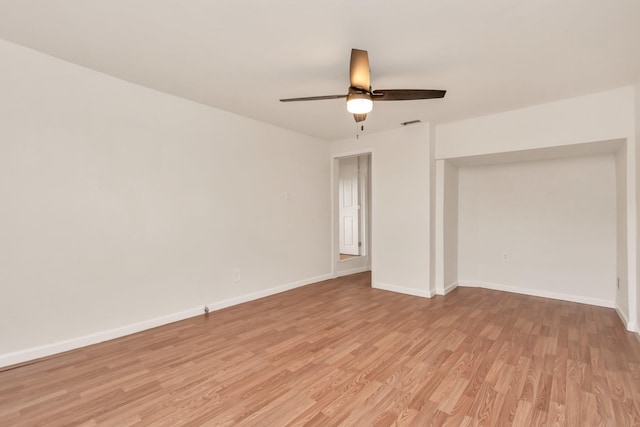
359,103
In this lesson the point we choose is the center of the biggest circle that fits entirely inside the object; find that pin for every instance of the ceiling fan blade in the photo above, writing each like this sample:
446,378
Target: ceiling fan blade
359,73
313,98
406,94
360,117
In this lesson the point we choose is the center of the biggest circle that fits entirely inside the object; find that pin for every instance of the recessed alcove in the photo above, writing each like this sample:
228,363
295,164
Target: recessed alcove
549,222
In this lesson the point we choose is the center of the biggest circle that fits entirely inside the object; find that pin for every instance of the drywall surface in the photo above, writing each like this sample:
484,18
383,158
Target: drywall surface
119,204
446,228
597,117
433,192
622,291
544,228
636,327
450,223
400,206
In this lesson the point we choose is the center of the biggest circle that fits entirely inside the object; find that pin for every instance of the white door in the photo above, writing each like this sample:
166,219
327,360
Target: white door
348,205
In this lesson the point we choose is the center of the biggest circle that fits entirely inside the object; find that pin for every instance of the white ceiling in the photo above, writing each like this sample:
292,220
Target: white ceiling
242,56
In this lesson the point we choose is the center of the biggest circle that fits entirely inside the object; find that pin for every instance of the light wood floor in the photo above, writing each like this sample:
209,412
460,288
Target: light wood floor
339,352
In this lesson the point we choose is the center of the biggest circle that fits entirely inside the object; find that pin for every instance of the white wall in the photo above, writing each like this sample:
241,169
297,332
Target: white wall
622,295
446,219
122,207
400,206
435,235
636,315
597,117
555,220
451,226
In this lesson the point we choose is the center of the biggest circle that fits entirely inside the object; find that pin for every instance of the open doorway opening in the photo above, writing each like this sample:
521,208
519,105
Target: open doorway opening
353,202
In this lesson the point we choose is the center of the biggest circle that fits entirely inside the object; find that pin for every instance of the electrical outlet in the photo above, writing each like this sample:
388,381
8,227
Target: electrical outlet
505,256
236,275
206,309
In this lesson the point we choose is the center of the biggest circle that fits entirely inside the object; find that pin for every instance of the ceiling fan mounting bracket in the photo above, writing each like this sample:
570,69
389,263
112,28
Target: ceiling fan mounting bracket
358,90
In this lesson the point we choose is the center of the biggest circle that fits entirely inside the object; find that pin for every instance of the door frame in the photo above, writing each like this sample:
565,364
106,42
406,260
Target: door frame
365,262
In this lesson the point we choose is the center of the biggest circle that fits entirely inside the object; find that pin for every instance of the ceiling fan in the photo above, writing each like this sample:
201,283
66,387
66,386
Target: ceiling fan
360,97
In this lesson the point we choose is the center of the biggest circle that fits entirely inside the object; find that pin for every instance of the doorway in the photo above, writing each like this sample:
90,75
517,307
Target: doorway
352,199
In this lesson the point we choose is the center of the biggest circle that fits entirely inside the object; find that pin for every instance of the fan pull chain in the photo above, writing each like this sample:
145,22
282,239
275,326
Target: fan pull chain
359,128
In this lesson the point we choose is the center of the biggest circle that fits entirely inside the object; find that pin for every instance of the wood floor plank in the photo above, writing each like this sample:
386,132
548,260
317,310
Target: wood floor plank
341,353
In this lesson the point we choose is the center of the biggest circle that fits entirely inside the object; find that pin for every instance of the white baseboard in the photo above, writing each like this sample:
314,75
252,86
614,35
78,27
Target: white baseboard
447,289
353,271
633,327
402,290
539,293
218,305
32,353
624,319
